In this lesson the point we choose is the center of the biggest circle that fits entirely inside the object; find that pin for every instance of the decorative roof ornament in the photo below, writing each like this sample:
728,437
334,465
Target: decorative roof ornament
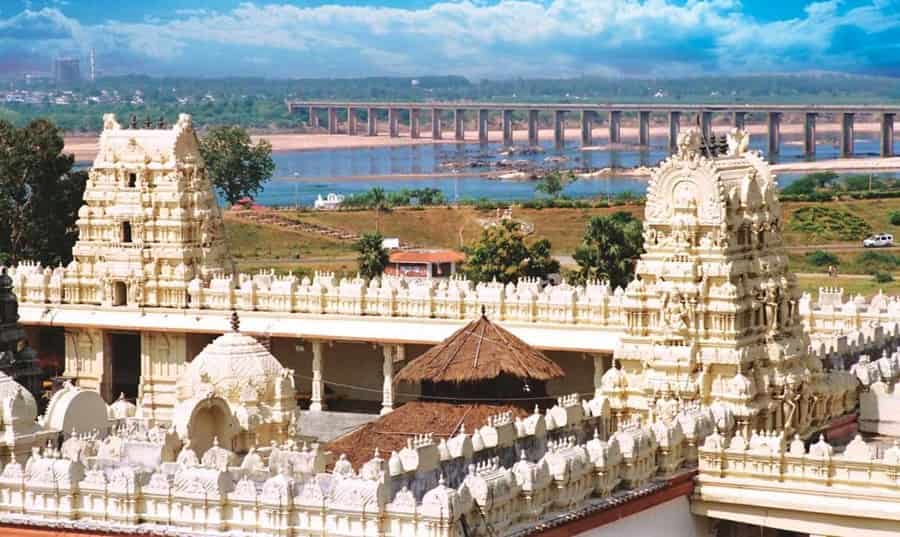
235,321
689,144
738,142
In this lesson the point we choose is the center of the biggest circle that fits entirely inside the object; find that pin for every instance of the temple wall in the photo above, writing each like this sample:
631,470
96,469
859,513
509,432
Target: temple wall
672,519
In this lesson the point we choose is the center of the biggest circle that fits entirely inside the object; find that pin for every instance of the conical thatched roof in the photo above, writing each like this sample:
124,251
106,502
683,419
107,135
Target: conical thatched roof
479,351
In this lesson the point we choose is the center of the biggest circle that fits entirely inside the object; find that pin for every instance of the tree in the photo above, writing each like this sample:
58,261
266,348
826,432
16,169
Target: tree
373,257
609,248
554,182
40,194
237,167
378,200
502,254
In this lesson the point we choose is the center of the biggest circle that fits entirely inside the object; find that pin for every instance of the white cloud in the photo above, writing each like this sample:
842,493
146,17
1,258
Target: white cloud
496,39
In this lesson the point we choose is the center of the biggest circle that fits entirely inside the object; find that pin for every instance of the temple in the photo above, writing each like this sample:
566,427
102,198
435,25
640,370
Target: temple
708,395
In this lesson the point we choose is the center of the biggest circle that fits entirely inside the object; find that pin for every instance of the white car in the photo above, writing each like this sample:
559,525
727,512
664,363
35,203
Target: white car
879,241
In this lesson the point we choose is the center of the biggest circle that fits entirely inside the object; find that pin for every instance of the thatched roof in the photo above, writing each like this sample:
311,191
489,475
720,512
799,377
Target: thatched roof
479,351
391,431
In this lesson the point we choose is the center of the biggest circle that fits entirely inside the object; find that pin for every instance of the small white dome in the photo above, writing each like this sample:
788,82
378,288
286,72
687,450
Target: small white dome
24,409
230,364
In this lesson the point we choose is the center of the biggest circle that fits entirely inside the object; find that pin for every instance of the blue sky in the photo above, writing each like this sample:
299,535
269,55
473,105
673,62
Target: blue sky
474,38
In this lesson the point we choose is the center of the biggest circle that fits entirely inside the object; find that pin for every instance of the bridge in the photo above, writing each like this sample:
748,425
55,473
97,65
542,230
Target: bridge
346,116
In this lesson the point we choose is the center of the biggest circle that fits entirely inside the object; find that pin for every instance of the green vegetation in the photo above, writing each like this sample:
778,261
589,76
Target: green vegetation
822,259
259,103
373,257
894,218
829,223
872,262
828,185
376,197
883,277
39,194
501,254
609,249
553,183
236,166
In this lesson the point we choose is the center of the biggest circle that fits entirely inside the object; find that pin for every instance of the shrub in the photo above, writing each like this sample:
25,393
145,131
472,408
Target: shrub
895,218
873,262
829,223
821,259
883,277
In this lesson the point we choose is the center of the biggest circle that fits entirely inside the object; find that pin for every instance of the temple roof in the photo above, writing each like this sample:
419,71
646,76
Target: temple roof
481,350
391,432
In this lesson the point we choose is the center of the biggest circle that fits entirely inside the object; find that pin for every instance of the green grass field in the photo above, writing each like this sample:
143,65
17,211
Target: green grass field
260,246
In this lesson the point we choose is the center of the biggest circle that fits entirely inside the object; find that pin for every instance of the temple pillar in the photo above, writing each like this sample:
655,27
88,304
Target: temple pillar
436,132
414,123
644,128
809,134
739,119
533,128
372,118
393,122
163,360
482,127
459,124
706,123
332,121
559,128
599,369
507,128
674,126
847,134
317,397
85,357
774,132
351,121
615,127
392,354
887,135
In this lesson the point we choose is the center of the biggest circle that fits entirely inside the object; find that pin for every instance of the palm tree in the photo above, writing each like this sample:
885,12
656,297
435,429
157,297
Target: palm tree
378,201
373,257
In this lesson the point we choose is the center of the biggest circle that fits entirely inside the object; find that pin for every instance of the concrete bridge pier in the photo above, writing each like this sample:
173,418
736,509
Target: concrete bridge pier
674,127
615,127
706,123
393,122
738,120
482,126
533,136
887,135
809,134
414,123
436,132
372,120
351,121
332,121
587,127
313,118
507,128
774,129
459,124
847,134
559,128
644,128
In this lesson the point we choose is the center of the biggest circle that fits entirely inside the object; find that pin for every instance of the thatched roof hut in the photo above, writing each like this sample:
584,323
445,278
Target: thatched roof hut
481,360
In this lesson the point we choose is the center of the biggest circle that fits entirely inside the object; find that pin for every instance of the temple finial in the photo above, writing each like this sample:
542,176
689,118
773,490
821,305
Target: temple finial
235,321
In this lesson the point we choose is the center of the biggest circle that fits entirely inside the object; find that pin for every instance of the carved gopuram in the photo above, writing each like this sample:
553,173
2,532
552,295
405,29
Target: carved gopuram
149,225
712,315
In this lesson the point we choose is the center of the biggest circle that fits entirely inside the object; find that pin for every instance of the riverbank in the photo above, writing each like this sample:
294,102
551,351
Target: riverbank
85,147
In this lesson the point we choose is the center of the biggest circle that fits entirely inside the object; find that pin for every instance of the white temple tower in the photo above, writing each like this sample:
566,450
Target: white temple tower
712,316
150,222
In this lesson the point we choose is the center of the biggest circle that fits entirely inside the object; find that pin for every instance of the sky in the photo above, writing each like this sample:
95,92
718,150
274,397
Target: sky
494,39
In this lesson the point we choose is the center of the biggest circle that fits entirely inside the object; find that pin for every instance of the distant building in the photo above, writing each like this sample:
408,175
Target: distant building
424,263
67,70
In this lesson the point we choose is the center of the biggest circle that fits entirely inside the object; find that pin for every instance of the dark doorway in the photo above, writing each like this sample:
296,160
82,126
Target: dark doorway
125,363
132,180
126,232
120,294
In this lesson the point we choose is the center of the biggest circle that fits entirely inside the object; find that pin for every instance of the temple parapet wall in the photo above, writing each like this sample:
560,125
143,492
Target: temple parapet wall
595,304
426,488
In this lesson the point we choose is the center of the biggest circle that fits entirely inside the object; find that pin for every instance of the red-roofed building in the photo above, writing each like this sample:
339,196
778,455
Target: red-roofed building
424,263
